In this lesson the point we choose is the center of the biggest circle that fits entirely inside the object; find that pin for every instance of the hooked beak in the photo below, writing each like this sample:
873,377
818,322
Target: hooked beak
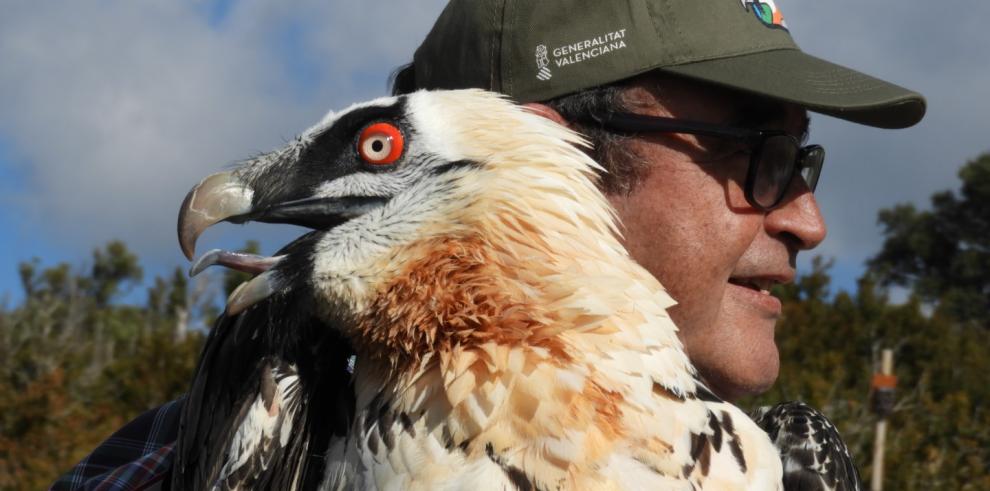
225,197
216,198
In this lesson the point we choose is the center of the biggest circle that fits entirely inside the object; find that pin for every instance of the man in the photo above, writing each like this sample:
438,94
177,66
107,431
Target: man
681,195
713,187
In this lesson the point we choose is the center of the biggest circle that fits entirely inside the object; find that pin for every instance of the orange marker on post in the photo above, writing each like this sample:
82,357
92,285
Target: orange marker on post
883,386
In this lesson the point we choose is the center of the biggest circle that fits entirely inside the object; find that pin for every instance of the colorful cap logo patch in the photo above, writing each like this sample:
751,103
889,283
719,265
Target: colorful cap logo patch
766,11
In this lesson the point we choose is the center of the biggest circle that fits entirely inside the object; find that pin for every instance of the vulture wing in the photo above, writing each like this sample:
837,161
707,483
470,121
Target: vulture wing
271,390
813,454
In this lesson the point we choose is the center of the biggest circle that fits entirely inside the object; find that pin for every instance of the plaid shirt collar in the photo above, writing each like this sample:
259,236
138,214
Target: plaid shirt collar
137,457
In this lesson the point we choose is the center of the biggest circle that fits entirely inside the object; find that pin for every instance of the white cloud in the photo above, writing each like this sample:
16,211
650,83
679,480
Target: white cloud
119,107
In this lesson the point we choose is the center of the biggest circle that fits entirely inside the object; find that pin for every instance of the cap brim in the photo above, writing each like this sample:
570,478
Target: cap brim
820,86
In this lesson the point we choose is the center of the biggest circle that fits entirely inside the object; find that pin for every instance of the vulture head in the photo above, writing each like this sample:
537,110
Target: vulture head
427,210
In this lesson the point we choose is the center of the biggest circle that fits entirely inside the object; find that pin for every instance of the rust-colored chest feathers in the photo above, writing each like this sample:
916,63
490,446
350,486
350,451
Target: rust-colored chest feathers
454,293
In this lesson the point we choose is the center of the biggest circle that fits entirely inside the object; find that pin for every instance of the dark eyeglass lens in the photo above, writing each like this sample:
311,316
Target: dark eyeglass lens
774,169
811,166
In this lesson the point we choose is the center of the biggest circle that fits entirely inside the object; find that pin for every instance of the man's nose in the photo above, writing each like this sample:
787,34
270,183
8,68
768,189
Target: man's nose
798,216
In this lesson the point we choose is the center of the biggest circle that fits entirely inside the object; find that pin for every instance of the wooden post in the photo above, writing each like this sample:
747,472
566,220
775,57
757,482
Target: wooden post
886,371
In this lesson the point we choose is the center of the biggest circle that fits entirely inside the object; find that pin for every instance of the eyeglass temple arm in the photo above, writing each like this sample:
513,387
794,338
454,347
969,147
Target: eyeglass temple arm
641,123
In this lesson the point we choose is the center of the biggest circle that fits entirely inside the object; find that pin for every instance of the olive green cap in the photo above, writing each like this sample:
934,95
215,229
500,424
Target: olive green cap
535,50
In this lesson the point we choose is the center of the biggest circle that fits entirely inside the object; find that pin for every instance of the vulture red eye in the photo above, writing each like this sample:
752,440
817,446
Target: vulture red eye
380,144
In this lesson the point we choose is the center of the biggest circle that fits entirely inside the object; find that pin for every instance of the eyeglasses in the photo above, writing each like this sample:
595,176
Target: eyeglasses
776,156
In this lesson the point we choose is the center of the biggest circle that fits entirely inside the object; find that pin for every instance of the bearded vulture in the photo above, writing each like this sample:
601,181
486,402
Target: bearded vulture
461,316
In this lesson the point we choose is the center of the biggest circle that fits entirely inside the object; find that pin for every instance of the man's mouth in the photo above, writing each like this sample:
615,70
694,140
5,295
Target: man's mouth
762,285
759,296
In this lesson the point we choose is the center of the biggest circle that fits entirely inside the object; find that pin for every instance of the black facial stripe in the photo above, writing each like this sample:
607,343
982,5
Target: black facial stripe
451,166
330,155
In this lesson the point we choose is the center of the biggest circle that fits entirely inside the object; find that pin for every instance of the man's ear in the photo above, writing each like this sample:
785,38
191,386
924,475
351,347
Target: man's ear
547,112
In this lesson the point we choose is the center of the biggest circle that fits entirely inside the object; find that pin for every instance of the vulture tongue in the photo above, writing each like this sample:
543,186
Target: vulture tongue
248,263
248,293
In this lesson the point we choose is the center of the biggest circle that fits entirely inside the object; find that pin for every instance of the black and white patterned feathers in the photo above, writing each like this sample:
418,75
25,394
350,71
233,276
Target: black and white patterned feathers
813,454
271,390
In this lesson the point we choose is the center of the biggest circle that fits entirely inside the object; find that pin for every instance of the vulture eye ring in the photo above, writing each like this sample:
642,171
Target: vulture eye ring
381,144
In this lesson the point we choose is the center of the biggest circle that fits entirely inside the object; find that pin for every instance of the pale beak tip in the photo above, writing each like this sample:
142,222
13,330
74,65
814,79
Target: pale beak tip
216,198
188,250
205,261
186,230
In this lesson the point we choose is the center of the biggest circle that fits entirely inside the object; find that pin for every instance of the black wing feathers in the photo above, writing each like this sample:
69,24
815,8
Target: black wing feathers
813,454
244,360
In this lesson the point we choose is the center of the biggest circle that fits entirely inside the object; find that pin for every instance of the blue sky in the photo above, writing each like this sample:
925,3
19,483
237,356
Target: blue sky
113,109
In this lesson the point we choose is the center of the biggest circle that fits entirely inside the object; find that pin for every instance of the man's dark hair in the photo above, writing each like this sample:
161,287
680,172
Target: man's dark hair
622,170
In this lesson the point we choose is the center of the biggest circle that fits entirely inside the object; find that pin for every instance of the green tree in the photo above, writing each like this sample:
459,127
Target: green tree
943,254
77,365
114,266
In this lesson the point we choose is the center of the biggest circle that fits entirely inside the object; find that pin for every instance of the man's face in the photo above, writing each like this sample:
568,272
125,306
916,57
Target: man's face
689,224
